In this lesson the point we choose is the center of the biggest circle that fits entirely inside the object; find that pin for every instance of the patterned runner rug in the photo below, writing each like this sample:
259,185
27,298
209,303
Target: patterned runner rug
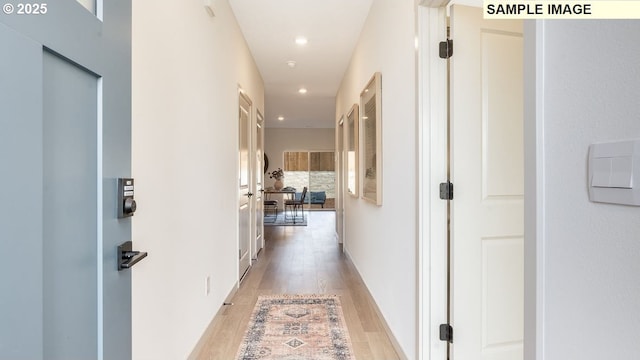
297,327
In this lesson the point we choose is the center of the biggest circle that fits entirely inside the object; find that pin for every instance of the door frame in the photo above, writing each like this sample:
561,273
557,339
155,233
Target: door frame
432,150
534,209
432,170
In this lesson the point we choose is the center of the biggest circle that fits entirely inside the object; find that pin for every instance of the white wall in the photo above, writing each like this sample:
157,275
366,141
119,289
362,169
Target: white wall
186,71
277,141
588,254
382,240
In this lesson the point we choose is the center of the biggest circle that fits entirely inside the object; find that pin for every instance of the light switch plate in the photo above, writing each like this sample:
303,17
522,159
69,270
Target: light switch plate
601,172
612,172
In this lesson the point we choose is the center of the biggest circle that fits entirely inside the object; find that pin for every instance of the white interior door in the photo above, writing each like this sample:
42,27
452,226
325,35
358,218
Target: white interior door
487,165
244,191
65,137
259,177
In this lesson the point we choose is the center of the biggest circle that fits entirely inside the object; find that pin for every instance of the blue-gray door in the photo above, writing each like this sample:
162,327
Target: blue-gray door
65,138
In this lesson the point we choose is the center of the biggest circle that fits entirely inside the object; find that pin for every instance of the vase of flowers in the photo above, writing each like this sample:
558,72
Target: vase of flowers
277,174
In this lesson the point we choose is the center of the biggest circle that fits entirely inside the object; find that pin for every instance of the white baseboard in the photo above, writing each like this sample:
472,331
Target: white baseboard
207,333
383,321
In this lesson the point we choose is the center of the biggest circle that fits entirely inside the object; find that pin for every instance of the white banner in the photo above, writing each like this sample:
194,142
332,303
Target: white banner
598,9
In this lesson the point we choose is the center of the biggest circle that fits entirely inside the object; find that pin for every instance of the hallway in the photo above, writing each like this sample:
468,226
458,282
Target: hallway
301,260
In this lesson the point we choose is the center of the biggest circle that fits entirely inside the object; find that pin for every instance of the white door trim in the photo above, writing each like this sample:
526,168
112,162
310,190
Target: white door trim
257,173
432,162
534,226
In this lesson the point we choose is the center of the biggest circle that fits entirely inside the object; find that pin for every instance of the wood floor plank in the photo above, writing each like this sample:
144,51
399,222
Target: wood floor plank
301,260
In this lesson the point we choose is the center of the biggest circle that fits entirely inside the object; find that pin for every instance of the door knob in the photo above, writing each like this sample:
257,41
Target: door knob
130,206
249,195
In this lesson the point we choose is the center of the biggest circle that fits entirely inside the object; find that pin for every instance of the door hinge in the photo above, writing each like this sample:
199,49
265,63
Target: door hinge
446,191
446,49
446,333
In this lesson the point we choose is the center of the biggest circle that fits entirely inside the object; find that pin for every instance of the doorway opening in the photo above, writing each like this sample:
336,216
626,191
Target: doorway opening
473,139
316,171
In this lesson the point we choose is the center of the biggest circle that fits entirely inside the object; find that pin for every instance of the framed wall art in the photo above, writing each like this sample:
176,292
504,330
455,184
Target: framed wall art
351,146
371,123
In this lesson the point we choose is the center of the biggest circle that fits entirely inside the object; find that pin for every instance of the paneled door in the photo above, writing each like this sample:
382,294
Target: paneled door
487,166
244,189
65,138
259,176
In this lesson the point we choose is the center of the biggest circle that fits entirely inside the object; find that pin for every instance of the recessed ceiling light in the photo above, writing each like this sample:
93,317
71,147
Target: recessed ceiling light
301,40
302,91
291,64
280,118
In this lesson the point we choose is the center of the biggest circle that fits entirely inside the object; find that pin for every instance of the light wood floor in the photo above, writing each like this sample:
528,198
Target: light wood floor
301,260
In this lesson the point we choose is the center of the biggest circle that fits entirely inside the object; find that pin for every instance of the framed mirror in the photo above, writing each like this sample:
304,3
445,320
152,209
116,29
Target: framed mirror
371,122
351,147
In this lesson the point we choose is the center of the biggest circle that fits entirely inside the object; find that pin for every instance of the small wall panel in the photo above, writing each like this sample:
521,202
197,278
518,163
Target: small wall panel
502,114
70,202
502,291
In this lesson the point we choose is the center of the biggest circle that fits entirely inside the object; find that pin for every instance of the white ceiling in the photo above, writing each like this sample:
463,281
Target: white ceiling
271,27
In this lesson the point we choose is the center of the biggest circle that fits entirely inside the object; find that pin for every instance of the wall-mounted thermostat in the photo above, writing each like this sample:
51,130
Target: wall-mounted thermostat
614,172
126,204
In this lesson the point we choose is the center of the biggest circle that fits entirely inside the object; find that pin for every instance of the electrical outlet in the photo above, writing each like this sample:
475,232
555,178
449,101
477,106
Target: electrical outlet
207,285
